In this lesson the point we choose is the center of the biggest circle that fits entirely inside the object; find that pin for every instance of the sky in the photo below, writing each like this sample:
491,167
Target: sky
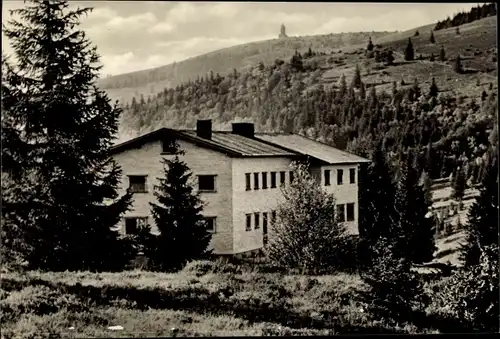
135,35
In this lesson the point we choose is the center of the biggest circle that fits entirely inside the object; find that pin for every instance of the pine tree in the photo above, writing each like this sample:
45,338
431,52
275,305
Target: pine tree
416,33
67,214
433,90
457,30
394,292
431,58
442,54
370,45
459,184
413,224
432,39
482,227
177,214
306,233
376,199
409,52
457,65
356,81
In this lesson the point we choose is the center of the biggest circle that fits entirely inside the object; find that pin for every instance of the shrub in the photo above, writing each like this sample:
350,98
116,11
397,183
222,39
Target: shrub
306,233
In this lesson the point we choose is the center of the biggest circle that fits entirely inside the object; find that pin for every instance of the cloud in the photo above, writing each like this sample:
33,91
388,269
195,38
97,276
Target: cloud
131,22
162,27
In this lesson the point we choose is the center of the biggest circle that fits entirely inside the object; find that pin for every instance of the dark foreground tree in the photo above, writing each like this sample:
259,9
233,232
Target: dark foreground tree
472,292
57,128
183,231
394,292
414,224
306,233
376,199
482,227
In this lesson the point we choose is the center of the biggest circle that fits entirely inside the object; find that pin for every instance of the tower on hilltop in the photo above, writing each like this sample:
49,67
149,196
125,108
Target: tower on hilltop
283,32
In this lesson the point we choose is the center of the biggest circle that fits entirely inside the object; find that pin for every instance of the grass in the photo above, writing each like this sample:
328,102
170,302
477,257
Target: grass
195,302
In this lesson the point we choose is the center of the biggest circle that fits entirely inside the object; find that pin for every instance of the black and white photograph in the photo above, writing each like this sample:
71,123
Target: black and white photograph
181,169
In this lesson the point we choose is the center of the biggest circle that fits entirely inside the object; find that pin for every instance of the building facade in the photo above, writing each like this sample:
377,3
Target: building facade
238,175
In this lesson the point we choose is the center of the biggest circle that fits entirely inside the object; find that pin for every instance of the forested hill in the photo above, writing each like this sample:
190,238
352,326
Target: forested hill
122,87
388,100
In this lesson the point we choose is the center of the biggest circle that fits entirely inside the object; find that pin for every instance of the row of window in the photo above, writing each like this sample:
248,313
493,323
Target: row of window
282,178
256,220
263,175
340,176
345,212
138,183
132,224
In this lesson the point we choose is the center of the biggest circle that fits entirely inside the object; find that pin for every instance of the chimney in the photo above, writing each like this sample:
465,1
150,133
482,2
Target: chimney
204,129
245,129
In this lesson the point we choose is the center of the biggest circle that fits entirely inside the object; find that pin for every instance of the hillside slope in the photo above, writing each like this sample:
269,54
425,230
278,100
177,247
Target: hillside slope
124,86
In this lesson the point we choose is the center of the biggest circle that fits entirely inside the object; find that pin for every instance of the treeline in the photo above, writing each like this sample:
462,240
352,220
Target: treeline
476,13
288,96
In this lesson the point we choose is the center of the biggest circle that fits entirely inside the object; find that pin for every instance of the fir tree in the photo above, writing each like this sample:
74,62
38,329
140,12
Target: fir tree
177,214
433,90
431,59
432,39
413,224
376,199
409,52
416,33
459,184
356,81
370,45
457,65
457,30
67,214
394,292
442,54
306,234
482,227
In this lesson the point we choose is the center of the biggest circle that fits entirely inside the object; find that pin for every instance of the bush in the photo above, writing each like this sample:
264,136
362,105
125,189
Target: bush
471,295
38,300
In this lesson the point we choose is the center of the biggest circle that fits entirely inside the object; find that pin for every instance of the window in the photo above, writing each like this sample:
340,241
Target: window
248,183
273,217
249,223
340,176
256,181
352,175
133,225
291,177
327,177
264,180
264,227
257,220
282,178
341,213
206,183
210,224
168,147
350,212
137,183
273,179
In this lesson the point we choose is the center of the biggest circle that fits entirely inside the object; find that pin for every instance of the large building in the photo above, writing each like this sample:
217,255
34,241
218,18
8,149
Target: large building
238,174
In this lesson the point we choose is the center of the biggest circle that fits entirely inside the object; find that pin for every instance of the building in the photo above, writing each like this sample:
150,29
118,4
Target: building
238,174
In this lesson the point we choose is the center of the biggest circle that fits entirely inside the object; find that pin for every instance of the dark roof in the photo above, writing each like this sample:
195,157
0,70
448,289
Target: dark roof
315,149
262,145
226,142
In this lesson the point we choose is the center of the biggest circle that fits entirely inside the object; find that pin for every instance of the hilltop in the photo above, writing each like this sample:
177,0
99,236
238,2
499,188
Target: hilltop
241,57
